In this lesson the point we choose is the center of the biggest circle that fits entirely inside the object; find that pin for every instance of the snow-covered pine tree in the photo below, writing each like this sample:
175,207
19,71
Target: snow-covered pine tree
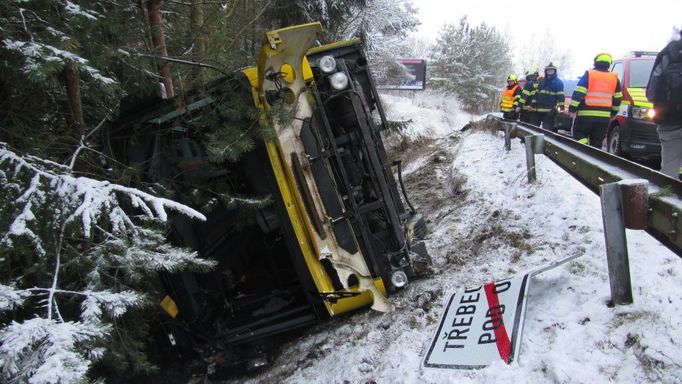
383,26
472,63
73,60
41,46
71,262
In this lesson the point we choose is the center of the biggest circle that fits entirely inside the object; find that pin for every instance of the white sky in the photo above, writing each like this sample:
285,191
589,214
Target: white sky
583,27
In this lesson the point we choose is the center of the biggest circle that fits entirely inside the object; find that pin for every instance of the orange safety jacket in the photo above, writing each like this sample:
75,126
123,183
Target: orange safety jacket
509,98
600,89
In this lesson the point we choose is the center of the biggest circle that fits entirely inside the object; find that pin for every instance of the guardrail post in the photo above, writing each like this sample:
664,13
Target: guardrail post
534,144
508,128
625,204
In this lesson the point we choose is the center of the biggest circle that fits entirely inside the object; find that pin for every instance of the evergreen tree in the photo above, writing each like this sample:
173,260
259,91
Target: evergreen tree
44,48
382,25
471,63
72,260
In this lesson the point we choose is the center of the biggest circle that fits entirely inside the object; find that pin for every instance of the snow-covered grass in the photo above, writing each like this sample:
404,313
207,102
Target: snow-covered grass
432,114
488,223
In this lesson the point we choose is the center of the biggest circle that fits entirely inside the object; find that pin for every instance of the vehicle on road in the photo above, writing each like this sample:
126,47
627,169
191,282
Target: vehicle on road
632,132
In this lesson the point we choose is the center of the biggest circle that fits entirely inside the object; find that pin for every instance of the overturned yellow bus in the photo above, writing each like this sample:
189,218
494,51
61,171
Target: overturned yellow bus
337,232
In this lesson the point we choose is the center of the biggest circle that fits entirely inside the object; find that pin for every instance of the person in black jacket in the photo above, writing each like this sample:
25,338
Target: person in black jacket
548,97
665,91
526,100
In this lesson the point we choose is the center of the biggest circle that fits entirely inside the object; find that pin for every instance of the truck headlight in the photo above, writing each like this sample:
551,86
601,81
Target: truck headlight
398,279
642,113
339,81
327,64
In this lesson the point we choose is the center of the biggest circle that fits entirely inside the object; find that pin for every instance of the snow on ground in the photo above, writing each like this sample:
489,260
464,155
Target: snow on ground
487,223
432,114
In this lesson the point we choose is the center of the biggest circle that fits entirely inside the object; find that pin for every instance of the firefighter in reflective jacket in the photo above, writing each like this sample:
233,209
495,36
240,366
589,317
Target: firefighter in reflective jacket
529,90
510,98
595,100
547,98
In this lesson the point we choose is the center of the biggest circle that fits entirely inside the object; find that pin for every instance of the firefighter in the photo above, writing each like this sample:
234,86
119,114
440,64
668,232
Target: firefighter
510,98
548,97
526,99
596,99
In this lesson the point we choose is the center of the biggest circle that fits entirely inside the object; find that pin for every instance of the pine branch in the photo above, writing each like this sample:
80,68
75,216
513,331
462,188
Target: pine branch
82,145
42,196
234,40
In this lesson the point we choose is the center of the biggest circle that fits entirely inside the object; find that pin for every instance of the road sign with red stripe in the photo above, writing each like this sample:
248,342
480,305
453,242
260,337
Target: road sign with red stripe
480,326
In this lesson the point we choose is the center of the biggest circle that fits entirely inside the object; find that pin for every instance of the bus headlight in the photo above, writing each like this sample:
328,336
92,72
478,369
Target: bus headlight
398,279
339,81
327,64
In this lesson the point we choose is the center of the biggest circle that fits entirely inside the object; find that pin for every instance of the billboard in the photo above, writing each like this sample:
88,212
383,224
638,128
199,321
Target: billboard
405,74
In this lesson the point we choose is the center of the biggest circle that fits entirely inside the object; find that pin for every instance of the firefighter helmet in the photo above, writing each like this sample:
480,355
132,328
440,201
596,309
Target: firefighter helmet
532,71
604,57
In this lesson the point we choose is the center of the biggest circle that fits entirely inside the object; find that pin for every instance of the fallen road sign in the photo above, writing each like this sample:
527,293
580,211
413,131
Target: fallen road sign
480,326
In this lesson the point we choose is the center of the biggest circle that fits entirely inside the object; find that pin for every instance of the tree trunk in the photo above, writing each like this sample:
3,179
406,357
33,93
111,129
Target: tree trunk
196,19
73,94
159,42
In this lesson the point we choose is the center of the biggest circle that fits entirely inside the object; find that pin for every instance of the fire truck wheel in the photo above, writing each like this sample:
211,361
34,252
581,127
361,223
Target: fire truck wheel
614,141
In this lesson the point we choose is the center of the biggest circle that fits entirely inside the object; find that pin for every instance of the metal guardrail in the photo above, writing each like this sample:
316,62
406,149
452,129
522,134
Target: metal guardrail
593,168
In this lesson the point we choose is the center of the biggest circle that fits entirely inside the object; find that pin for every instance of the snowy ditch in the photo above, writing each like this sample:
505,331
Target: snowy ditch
487,224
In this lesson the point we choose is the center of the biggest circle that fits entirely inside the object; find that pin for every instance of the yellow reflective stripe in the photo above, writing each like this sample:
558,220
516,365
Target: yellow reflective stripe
618,95
584,140
508,97
639,98
644,104
543,110
580,89
625,102
575,103
592,113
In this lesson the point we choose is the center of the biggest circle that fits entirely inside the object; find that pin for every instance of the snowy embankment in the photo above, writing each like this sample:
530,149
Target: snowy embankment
487,223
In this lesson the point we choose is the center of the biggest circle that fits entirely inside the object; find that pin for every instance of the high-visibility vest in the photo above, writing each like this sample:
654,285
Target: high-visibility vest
508,98
600,88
